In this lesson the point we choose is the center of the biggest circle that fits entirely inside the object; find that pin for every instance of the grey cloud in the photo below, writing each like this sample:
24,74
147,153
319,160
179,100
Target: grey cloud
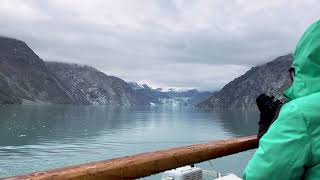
160,41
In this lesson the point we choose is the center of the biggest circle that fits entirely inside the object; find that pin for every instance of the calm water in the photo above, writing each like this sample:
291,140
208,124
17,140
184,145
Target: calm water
34,138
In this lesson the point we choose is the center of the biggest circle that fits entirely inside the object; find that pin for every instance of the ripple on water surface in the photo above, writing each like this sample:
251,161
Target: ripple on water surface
34,138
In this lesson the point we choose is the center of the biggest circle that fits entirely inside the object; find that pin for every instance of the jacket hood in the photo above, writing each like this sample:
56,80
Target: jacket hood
306,61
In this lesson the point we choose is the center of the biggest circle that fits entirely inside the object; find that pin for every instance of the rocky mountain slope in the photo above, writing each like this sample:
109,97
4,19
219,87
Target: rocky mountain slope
158,96
271,78
24,77
97,87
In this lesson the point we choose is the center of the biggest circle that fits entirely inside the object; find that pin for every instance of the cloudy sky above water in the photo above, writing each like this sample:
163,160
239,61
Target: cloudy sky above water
165,43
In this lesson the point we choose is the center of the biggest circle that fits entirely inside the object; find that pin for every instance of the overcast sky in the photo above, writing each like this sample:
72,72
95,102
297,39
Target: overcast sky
165,43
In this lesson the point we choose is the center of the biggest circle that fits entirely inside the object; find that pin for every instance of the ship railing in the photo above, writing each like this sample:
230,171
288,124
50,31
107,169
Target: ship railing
146,164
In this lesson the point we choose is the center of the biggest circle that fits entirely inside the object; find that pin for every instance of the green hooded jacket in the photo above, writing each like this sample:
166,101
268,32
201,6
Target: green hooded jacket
291,147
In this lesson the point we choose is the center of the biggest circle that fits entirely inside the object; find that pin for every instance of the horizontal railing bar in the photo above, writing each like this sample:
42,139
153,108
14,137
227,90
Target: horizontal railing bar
146,164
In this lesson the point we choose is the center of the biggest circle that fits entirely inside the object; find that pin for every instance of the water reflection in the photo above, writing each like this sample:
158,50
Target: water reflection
30,136
23,125
239,122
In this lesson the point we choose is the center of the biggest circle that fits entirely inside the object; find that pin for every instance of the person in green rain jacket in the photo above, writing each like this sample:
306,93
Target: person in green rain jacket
290,149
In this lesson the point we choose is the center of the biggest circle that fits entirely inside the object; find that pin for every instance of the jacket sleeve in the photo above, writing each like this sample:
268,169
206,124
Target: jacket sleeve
284,150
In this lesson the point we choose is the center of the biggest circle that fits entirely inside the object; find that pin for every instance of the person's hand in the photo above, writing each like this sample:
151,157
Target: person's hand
266,104
268,108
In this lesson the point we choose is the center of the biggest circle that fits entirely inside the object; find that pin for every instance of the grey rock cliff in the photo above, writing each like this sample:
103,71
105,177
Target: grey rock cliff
271,78
25,78
97,87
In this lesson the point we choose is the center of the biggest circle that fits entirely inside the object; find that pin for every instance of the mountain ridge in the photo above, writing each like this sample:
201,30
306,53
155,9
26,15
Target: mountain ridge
271,78
24,76
26,79
97,87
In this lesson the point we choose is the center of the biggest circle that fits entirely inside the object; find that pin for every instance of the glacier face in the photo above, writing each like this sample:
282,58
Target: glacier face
171,97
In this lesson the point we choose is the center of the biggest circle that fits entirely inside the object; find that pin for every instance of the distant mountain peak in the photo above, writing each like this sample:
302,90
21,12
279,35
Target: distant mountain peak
171,96
135,85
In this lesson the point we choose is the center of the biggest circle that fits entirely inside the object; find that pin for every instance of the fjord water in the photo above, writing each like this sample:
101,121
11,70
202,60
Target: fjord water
41,137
